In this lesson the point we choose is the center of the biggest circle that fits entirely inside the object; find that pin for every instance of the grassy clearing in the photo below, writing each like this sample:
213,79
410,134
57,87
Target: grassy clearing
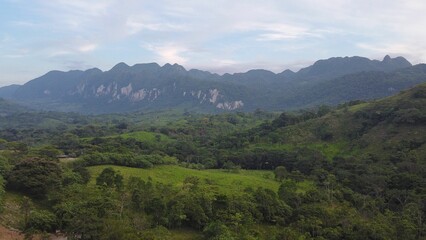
223,181
147,136
219,180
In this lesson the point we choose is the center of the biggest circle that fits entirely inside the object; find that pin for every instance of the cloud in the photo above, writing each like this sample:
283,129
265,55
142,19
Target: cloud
136,24
169,53
87,47
221,34
75,46
284,32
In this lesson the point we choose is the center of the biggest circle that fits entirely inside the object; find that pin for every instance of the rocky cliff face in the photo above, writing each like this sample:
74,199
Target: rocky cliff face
130,88
114,92
154,87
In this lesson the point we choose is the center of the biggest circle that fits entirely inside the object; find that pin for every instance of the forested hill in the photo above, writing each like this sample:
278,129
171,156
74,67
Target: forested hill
354,171
384,131
150,87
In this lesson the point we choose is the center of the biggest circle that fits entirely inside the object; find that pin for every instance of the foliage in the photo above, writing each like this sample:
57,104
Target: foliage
217,231
280,173
129,160
110,178
35,176
351,172
41,220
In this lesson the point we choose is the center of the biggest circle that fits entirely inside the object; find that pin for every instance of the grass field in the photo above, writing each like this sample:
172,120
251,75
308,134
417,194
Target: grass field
147,136
221,180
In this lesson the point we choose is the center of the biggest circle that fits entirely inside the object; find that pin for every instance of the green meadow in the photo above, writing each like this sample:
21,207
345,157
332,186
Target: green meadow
220,180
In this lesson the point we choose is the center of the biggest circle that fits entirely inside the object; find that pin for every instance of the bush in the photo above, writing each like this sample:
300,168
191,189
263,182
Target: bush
217,231
41,220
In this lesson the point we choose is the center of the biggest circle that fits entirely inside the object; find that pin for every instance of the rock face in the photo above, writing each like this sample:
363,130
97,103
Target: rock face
230,105
125,88
154,87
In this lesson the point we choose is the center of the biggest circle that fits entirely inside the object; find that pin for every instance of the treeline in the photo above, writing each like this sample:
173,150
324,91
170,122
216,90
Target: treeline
128,160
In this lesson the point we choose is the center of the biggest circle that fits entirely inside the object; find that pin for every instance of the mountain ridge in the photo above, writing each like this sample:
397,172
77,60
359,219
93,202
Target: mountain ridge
151,86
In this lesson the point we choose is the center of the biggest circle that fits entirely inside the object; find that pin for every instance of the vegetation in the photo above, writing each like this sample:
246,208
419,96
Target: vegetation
356,171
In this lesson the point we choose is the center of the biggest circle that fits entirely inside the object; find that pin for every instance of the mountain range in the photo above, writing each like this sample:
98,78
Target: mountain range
146,87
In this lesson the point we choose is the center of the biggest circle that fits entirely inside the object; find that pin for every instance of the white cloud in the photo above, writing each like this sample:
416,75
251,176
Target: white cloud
169,53
87,47
136,24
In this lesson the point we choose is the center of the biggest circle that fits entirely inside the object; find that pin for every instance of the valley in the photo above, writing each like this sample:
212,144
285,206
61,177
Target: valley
355,170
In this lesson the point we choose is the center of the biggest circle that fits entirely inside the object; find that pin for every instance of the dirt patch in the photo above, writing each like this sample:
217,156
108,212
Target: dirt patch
8,234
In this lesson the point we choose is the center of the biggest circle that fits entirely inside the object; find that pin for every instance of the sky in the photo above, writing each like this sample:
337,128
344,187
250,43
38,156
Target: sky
216,35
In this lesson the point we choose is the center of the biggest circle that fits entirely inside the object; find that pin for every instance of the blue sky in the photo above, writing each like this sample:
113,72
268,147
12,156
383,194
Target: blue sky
220,36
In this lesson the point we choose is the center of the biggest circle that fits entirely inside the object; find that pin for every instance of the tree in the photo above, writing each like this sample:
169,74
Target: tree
280,173
330,185
26,206
35,176
287,193
83,172
5,166
110,178
118,230
157,208
284,120
41,220
272,209
82,210
49,152
217,231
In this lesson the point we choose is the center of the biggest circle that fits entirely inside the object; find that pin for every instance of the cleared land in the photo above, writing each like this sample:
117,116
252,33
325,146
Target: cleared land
220,180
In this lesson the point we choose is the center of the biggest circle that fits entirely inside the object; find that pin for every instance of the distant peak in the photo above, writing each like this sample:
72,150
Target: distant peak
93,70
174,67
120,66
401,61
288,71
387,58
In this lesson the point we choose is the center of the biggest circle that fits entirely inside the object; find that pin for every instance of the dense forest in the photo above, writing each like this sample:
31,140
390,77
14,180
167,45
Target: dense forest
354,171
